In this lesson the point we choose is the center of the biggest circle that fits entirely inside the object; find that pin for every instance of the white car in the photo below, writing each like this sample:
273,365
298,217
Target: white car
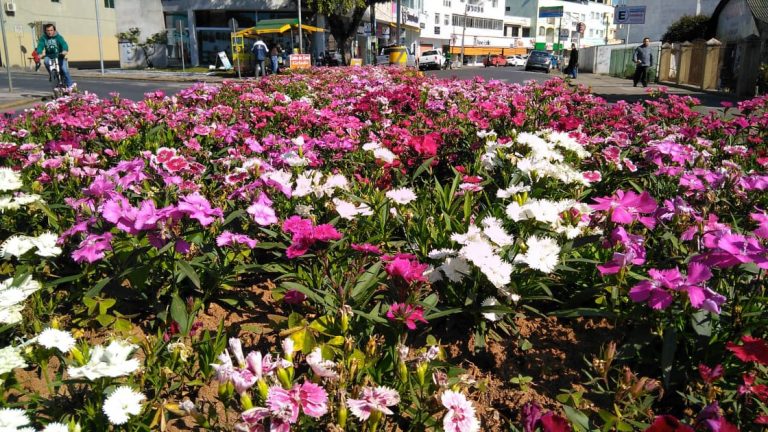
515,60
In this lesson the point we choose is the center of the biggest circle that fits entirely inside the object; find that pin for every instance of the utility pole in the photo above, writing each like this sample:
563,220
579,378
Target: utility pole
301,38
374,51
463,32
98,33
5,46
399,17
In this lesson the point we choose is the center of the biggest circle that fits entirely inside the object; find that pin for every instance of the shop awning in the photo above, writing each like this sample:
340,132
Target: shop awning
484,50
276,26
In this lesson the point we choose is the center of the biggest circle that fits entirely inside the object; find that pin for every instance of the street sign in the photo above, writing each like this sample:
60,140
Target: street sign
300,61
629,15
564,33
551,12
581,27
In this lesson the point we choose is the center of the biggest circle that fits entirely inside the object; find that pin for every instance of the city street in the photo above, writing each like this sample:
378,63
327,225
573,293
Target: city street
509,75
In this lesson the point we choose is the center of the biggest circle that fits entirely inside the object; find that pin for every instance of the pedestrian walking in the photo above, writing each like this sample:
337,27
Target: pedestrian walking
274,53
260,52
643,59
573,62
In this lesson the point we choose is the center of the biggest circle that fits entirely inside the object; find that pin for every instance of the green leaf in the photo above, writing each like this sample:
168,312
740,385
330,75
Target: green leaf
366,284
105,320
579,420
443,313
424,166
97,287
179,314
701,321
668,354
187,272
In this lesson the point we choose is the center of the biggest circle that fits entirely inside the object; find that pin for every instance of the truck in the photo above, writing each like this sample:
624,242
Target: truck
432,59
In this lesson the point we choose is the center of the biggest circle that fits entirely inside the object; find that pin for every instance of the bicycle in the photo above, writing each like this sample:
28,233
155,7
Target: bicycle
57,79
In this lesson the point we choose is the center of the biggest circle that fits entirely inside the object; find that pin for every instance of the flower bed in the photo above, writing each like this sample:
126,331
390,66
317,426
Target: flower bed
369,223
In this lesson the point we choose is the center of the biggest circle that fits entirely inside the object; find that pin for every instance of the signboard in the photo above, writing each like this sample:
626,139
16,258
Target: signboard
356,62
300,61
551,12
629,15
225,60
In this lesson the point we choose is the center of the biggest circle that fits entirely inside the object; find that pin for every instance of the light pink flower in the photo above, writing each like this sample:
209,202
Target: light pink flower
320,367
461,414
374,399
286,404
262,212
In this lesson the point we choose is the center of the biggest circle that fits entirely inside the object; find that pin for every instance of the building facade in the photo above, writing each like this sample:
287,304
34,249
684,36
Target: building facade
595,15
75,20
659,14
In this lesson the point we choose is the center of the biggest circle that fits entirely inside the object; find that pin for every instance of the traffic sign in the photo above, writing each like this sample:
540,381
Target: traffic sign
629,15
551,12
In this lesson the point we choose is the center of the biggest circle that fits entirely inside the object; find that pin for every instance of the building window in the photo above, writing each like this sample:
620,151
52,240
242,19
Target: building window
495,3
526,32
437,18
446,19
541,31
447,3
437,30
109,4
54,1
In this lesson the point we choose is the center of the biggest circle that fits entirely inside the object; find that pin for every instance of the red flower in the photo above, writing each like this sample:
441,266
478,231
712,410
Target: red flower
407,269
710,375
425,145
754,349
550,422
762,419
668,423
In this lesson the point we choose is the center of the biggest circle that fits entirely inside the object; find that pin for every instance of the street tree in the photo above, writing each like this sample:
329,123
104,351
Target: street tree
687,28
344,17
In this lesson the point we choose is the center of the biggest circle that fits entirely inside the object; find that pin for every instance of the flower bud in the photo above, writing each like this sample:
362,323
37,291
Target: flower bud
263,389
343,412
282,376
402,371
245,401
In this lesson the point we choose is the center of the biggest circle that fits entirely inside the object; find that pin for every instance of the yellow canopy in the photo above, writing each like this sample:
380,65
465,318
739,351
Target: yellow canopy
276,26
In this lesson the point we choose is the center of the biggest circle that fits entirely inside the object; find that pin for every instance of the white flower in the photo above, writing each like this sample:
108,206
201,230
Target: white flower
401,196
491,316
112,362
455,268
13,292
7,203
121,403
542,254
46,244
384,154
320,367
496,233
303,210
16,246
336,181
26,199
236,346
10,359
9,179
56,427
59,339
14,420
293,159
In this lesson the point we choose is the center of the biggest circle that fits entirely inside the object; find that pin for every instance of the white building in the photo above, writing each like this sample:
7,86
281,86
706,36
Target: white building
596,15
483,34
659,14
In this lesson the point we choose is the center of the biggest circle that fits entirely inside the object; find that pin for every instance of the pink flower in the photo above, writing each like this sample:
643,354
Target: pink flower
228,238
198,207
262,212
366,248
374,399
286,404
461,414
92,248
626,207
406,313
305,235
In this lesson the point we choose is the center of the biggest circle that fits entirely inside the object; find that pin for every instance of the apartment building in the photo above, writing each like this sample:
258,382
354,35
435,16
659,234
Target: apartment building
75,20
550,33
659,14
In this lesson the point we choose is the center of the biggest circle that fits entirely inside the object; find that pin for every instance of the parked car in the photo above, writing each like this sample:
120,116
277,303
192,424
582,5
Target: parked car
494,60
515,60
432,59
331,58
540,60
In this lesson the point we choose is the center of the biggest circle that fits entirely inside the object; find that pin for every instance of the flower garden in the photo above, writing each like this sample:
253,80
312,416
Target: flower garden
366,249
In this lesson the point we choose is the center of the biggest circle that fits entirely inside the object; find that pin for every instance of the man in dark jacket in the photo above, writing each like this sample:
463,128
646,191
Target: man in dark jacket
573,62
260,52
643,59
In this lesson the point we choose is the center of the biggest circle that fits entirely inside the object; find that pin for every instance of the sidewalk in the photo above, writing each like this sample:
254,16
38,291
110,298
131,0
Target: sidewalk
614,89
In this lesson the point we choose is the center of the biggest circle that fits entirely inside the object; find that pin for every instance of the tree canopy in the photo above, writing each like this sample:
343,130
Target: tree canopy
344,18
687,28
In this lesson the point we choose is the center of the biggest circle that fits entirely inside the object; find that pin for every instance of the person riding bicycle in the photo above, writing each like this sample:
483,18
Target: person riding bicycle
55,47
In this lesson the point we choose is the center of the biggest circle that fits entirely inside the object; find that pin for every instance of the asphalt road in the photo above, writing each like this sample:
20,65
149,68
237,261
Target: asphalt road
510,74
36,84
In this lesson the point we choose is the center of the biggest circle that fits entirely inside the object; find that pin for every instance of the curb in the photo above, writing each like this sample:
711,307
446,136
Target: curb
16,103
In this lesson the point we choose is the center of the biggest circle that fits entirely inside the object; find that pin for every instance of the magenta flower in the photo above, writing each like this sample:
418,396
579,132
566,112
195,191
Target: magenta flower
92,248
198,207
461,414
627,207
304,235
407,314
407,269
366,248
744,249
374,399
655,291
